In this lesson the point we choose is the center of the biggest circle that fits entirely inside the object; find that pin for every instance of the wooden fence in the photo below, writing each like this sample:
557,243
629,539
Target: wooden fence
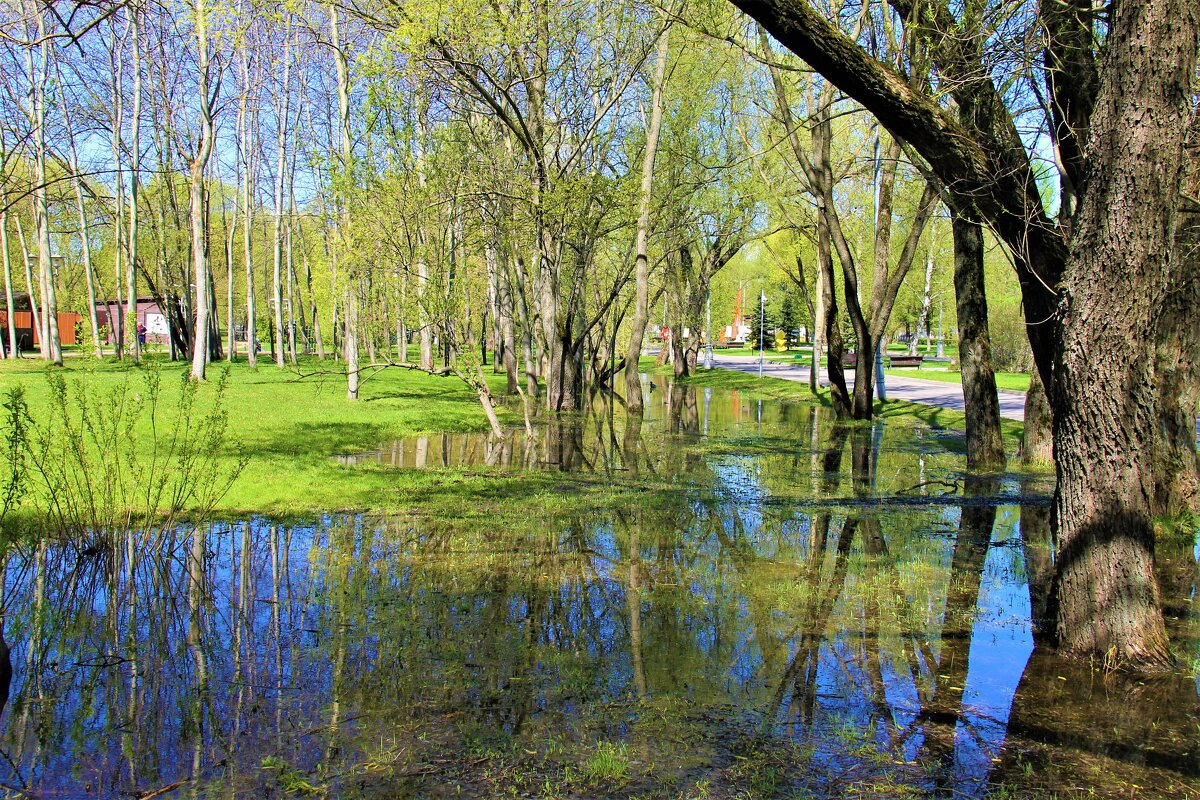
27,333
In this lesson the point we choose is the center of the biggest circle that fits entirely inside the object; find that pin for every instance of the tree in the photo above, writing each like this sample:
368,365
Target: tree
788,319
888,270
985,445
1120,121
641,311
197,167
762,325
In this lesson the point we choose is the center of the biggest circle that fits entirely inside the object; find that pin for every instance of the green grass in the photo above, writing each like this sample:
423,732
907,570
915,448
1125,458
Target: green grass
1013,381
289,424
607,765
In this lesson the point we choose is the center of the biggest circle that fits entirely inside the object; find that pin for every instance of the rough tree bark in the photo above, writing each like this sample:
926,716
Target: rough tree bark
1178,362
1093,340
1107,400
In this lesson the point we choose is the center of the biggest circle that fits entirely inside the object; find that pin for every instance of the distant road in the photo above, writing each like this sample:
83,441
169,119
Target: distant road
914,390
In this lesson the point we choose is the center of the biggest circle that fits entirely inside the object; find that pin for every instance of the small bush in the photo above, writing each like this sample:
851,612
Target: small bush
607,765
87,468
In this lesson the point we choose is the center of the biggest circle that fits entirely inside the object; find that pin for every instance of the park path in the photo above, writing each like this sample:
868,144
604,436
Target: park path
914,390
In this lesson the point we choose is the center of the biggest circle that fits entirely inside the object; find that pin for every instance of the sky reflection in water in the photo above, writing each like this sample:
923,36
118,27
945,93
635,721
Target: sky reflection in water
737,616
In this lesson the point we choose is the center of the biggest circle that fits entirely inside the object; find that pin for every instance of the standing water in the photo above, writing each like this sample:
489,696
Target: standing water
790,609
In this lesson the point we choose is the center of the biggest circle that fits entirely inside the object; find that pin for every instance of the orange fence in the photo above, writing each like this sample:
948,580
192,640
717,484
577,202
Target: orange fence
27,332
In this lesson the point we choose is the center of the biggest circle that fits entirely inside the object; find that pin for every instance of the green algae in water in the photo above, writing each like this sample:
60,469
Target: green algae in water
795,610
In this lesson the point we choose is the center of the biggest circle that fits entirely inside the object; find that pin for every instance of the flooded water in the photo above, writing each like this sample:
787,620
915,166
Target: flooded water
796,610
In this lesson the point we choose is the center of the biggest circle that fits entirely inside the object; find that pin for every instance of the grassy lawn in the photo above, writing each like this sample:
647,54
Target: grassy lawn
1014,381
288,424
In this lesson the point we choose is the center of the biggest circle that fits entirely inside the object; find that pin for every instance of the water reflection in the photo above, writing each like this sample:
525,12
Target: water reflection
742,632
603,439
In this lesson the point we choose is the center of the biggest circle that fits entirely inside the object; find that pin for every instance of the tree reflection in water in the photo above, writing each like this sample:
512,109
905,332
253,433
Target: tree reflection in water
764,621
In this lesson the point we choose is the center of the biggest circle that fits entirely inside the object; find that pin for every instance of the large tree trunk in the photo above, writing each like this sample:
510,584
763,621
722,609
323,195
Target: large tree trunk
680,277
861,404
51,348
564,382
525,321
985,446
352,284
508,328
822,141
1178,358
116,327
246,150
818,331
1107,401
424,318
5,260
281,116
1092,289
199,271
229,221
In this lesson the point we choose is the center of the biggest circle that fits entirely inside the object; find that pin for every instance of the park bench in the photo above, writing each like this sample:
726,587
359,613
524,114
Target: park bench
849,360
905,361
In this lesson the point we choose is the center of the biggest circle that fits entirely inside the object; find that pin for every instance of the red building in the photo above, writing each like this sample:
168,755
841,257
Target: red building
109,315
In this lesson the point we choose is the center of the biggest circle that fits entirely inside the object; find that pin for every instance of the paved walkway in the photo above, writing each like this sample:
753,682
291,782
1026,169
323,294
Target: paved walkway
914,390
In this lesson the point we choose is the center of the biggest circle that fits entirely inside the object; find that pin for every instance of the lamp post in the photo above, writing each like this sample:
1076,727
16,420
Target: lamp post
941,348
708,351
762,323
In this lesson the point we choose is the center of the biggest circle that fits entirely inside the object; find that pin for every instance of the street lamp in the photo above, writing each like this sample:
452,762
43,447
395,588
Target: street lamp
708,353
762,323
